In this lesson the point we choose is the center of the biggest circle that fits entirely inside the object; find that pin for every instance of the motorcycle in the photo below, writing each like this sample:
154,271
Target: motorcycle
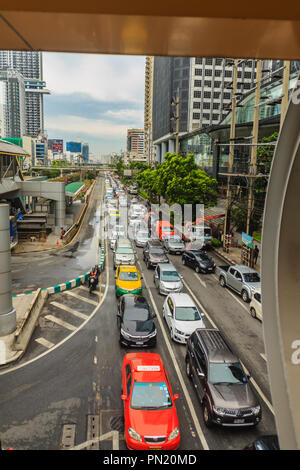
93,284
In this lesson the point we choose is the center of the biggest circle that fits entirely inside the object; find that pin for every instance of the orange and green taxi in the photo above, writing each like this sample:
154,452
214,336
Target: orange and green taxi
128,280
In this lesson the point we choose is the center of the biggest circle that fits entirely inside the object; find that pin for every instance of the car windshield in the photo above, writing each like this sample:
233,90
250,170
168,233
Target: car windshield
175,240
226,373
150,396
251,277
167,229
187,314
202,257
124,250
170,276
136,314
128,276
143,235
157,251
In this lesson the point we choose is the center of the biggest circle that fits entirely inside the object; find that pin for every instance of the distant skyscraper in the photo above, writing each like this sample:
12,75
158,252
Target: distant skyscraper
148,130
135,141
56,145
12,104
29,65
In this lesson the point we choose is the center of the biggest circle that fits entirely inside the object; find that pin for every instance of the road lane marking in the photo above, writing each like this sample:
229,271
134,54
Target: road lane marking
70,310
200,280
83,299
45,342
86,289
232,295
177,369
215,326
60,322
263,356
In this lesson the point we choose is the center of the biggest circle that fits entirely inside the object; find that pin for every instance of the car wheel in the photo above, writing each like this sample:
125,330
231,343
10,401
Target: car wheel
245,296
253,312
197,269
183,261
222,282
207,416
148,264
172,334
188,368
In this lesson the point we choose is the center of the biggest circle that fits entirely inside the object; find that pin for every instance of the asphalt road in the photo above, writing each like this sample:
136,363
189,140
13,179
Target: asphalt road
74,373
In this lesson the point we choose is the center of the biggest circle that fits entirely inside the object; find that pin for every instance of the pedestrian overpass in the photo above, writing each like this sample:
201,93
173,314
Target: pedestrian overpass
219,29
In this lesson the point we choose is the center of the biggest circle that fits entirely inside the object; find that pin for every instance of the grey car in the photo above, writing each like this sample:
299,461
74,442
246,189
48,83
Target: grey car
124,256
241,279
220,382
167,279
154,255
174,244
141,238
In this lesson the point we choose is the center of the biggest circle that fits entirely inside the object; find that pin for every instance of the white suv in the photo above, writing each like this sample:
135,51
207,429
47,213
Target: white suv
182,316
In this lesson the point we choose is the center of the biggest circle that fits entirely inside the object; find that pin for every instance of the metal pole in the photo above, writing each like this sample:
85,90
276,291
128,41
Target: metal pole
231,150
253,161
177,125
8,321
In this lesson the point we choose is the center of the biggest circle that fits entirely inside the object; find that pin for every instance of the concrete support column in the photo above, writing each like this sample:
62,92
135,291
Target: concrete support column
158,153
8,321
164,149
60,207
172,146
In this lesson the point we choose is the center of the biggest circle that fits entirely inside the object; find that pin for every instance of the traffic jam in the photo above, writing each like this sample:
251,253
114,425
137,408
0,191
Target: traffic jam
220,380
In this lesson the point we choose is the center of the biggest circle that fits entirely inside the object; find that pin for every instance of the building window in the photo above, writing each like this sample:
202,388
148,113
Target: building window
197,94
196,116
215,117
198,71
207,94
217,84
196,105
205,116
208,72
218,73
219,61
208,61
206,105
228,73
207,83
215,105
197,83
198,60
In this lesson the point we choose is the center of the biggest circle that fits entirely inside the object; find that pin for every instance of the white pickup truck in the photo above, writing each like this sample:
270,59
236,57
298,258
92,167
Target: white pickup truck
242,279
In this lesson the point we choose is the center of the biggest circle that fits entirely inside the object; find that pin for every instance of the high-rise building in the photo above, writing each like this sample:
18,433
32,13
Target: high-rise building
148,131
203,87
56,145
78,148
135,141
29,65
12,104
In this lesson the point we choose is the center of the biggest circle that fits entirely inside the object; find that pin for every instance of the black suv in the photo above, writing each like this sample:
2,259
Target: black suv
135,322
154,253
220,381
199,261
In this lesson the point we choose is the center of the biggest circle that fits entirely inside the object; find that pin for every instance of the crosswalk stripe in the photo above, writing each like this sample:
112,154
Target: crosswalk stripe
83,299
86,289
60,322
45,342
70,310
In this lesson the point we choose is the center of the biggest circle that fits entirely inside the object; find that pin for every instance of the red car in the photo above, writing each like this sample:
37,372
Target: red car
151,421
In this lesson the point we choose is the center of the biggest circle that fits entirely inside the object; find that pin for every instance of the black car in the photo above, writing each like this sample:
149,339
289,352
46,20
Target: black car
220,382
264,443
135,321
199,261
153,254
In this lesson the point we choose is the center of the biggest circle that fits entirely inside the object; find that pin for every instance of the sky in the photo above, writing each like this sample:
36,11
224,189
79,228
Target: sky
93,97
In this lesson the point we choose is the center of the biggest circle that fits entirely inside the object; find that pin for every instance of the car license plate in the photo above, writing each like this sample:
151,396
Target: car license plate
177,252
239,421
139,342
155,448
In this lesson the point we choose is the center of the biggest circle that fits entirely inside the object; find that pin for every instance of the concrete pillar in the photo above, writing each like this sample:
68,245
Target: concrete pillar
172,146
158,153
60,206
164,150
8,320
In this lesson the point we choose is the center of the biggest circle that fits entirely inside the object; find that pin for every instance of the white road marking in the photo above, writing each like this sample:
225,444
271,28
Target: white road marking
60,322
45,342
70,310
235,298
263,356
215,326
95,360
86,289
180,377
83,299
200,280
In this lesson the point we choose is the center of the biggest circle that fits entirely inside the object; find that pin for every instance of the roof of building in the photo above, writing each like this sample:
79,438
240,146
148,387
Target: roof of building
10,148
73,189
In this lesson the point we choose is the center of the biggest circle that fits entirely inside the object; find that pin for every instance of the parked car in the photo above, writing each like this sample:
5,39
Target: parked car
174,244
199,261
255,305
128,280
153,255
124,256
220,381
182,316
135,322
264,443
141,238
241,279
150,415
167,279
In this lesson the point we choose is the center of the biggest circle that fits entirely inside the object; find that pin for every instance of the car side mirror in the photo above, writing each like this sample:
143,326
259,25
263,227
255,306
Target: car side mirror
176,396
123,397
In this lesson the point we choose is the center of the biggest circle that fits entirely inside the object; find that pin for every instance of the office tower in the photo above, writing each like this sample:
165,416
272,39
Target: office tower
135,141
78,148
12,104
29,65
56,145
148,131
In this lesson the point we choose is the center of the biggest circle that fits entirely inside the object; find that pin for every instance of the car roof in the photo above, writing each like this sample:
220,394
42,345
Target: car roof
183,300
244,269
145,360
129,267
216,347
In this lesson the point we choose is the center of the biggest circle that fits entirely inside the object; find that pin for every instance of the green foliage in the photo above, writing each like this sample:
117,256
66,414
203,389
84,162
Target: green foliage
216,243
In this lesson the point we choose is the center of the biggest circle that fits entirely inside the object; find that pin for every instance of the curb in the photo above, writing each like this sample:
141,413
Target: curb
82,279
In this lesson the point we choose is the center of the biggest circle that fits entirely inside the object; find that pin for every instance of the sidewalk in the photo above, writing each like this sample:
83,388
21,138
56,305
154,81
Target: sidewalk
234,255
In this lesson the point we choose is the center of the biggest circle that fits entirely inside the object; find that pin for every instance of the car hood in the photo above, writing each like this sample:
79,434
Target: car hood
233,395
176,245
207,263
188,327
253,285
129,285
158,258
152,422
138,327
171,284
124,257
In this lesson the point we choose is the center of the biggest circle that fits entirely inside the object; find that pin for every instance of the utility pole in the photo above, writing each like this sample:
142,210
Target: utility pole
231,154
175,102
285,90
253,160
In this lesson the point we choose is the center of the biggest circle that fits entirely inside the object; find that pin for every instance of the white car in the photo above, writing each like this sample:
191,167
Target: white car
182,316
255,305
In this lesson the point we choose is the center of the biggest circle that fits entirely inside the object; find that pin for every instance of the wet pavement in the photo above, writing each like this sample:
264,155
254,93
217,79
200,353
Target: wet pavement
33,270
